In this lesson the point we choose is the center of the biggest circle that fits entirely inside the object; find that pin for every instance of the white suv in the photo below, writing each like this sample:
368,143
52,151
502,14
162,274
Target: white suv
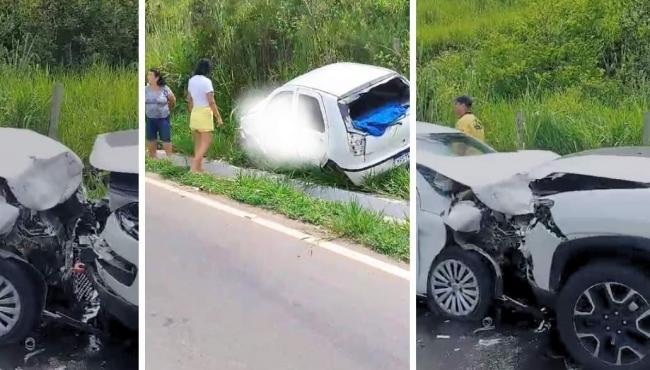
574,231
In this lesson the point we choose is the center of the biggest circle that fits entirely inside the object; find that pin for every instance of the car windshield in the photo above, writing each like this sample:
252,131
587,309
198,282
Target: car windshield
452,145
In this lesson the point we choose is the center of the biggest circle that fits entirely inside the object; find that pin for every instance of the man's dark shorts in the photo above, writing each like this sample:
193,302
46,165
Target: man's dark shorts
159,128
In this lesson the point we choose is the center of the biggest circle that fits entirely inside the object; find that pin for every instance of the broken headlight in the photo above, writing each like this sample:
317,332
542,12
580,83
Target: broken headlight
357,143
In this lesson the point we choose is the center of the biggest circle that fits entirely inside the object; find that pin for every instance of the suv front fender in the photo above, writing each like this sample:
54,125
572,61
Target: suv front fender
572,254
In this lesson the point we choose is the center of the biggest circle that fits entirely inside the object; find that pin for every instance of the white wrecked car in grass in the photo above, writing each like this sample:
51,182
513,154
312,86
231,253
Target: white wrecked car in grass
351,117
62,256
569,233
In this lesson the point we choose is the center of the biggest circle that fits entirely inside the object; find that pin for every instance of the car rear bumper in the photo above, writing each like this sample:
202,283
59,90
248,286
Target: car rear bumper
358,174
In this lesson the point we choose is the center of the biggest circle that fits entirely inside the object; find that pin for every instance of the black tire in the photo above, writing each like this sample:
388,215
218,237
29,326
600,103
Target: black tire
613,316
484,281
27,291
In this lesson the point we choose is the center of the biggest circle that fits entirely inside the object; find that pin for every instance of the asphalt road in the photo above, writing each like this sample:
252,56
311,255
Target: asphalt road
223,292
511,345
63,348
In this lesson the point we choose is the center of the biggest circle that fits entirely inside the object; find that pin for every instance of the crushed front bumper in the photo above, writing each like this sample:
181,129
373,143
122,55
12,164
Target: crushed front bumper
118,307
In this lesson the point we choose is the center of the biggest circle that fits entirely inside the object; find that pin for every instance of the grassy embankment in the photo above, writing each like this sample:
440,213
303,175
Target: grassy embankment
346,220
578,69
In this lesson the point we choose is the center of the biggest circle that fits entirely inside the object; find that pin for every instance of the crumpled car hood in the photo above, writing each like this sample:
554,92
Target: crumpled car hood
501,180
116,152
40,171
480,170
628,168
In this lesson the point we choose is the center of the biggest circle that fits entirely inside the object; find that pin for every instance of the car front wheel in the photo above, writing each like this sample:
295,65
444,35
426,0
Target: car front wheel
19,308
461,285
603,316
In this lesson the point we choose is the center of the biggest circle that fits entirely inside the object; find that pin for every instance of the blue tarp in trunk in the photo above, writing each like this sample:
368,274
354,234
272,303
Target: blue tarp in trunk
376,121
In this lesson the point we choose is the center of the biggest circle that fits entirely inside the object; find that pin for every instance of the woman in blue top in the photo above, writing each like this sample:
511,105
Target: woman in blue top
159,101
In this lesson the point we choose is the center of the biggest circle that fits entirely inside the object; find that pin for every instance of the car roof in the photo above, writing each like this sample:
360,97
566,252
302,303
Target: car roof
339,79
425,128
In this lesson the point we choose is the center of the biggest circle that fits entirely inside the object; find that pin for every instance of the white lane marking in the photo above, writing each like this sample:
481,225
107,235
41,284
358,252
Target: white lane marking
332,247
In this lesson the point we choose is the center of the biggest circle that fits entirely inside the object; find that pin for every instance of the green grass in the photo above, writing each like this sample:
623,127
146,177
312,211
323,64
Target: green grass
345,220
98,99
250,52
575,69
444,24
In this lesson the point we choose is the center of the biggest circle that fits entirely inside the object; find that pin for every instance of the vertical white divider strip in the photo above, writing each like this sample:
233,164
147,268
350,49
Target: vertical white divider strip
142,328
412,197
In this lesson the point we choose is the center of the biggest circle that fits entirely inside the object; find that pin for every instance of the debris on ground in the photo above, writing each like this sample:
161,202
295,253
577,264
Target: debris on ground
544,326
30,344
488,324
500,352
489,342
440,336
94,344
32,354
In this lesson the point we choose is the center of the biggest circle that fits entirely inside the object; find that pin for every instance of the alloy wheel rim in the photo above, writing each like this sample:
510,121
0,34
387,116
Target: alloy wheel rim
9,306
455,288
612,323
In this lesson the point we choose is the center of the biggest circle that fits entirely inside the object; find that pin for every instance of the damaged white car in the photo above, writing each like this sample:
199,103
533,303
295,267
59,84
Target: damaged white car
532,228
64,257
351,117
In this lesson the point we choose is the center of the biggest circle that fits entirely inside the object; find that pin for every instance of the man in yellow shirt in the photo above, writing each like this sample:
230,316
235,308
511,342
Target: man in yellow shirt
467,121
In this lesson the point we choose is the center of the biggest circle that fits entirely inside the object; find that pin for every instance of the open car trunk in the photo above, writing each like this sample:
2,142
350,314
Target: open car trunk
380,113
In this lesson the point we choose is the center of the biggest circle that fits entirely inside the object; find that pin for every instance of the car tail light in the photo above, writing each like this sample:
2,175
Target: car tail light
357,143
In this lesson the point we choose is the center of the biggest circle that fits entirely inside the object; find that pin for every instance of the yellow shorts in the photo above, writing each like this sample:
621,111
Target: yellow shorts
201,119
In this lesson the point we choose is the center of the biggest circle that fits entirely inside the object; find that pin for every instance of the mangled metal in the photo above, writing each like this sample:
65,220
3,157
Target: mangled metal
517,207
39,179
464,216
8,216
47,222
498,180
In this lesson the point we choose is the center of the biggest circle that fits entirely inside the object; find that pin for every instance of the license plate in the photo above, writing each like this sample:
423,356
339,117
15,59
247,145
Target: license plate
402,159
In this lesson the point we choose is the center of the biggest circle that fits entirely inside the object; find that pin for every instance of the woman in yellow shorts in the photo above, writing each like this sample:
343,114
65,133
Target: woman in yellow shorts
202,108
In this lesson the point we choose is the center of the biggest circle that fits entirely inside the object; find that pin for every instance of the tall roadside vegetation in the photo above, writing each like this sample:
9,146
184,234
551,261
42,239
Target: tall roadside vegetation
88,46
579,70
260,43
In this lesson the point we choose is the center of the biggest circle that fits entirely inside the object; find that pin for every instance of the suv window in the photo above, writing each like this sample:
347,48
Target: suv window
309,111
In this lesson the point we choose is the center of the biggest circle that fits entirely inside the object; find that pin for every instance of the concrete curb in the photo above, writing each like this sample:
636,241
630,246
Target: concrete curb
391,208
